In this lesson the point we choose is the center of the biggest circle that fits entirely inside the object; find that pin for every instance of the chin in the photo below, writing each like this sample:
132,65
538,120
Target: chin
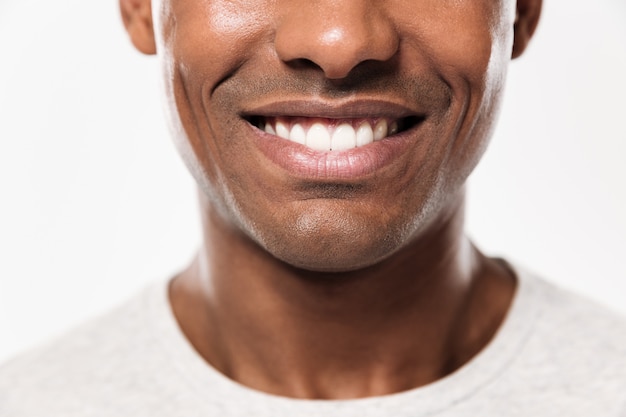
332,259
336,244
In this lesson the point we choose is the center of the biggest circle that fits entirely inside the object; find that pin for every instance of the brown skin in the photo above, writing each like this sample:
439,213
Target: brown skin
335,288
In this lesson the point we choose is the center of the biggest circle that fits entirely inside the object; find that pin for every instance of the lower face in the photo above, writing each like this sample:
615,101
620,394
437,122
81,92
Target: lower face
332,173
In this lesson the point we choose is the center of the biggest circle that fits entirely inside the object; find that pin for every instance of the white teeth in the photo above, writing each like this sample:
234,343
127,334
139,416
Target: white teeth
282,130
269,129
380,131
329,136
318,138
364,135
297,134
344,138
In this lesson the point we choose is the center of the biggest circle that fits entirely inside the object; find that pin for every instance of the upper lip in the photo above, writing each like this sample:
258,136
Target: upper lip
313,107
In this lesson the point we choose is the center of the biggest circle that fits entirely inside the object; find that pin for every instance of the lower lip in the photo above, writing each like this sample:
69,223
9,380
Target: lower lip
306,163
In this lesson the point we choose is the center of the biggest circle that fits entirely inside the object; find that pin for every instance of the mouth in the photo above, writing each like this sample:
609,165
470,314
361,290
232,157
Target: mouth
333,134
349,141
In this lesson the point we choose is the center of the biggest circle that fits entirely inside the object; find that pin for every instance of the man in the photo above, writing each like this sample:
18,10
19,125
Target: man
330,142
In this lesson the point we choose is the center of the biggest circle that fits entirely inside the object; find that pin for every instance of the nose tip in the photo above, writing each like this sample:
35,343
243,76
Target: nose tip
336,36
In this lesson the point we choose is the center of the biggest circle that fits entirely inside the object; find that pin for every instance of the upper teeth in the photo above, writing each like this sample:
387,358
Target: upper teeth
331,135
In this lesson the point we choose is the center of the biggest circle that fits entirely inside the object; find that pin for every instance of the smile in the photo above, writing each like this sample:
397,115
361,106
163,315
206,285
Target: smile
332,134
342,141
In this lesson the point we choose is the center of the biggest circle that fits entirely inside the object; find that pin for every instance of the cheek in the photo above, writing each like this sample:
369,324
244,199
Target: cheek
215,37
201,43
467,43
453,38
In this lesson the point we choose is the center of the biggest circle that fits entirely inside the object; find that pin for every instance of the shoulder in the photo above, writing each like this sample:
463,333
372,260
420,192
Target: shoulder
575,351
77,373
578,324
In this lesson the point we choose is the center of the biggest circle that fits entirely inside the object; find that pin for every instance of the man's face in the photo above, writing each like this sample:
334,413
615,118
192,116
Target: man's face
394,101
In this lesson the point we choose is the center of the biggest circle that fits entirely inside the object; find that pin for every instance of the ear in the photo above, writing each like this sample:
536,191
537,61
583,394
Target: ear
137,18
526,19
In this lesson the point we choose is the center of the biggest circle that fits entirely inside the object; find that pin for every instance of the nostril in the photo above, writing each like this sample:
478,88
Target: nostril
302,63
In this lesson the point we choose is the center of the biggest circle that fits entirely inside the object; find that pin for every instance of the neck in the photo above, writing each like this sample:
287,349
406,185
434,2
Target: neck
400,324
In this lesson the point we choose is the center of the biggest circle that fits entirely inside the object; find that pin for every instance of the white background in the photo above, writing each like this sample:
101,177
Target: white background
95,203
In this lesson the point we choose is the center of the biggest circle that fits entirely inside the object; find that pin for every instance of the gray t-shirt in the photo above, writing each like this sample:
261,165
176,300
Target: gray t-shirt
556,354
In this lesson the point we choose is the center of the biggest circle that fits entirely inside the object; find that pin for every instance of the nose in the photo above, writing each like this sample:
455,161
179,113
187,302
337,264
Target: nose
335,35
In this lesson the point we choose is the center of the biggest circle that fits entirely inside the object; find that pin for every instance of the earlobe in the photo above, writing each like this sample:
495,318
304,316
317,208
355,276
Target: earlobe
526,19
137,18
